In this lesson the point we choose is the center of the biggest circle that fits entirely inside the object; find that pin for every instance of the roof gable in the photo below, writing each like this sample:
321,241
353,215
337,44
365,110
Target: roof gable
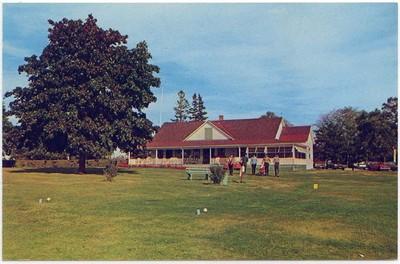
200,133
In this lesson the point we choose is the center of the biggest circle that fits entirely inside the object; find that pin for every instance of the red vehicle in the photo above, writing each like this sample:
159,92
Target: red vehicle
378,166
392,165
123,164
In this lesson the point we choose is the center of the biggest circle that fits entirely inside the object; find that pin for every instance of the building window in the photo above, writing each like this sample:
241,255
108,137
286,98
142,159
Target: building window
173,153
258,151
218,152
151,153
192,156
208,133
168,153
242,152
299,155
282,152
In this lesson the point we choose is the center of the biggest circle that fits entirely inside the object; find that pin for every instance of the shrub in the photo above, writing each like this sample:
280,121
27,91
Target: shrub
111,170
217,173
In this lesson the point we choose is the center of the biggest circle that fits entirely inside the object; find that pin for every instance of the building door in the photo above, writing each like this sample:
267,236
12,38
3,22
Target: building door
206,156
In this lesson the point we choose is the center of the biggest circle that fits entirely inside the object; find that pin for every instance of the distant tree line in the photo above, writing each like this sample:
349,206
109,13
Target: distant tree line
347,135
185,112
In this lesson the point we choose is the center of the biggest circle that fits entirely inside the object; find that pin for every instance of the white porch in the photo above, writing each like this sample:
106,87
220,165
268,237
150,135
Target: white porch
289,154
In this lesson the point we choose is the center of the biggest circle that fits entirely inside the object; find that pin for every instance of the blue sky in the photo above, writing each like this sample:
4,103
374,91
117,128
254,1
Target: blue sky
298,60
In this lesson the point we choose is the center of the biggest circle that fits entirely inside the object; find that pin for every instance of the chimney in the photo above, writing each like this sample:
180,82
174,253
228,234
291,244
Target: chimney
221,117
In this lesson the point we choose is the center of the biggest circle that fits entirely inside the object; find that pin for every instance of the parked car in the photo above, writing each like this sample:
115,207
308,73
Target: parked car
335,166
378,166
318,164
360,165
392,165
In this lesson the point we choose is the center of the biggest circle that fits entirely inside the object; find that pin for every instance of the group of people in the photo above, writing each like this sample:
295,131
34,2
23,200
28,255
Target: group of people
253,161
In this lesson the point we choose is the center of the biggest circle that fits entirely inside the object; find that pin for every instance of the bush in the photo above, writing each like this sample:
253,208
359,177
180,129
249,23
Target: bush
111,170
217,173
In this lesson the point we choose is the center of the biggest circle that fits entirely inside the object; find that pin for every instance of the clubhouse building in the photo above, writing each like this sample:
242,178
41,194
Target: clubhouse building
211,142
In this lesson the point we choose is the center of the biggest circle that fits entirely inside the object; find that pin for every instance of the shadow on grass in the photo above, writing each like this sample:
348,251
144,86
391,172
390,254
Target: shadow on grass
196,179
96,171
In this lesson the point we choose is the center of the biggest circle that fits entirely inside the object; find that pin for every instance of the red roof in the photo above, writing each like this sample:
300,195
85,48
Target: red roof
295,134
241,131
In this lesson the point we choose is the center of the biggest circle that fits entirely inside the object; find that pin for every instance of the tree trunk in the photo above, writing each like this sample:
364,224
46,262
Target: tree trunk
82,163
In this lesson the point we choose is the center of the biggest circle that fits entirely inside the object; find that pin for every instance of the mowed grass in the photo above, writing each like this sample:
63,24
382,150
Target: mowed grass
149,214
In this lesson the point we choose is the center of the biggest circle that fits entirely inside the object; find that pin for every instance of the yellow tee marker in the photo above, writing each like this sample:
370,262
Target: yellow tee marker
315,186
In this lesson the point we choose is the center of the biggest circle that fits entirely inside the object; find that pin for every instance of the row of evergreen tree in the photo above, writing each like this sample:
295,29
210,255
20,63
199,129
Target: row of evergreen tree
185,112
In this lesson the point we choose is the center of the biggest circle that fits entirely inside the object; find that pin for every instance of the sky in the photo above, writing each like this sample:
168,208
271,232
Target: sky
298,60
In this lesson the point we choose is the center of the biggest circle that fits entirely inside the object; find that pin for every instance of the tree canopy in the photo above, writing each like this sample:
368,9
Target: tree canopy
347,135
336,135
270,114
197,111
86,93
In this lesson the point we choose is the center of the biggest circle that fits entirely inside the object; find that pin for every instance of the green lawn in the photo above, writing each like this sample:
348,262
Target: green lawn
149,214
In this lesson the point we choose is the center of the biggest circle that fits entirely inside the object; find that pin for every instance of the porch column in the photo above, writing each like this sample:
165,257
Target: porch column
183,156
239,153
210,156
247,151
156,156
293,157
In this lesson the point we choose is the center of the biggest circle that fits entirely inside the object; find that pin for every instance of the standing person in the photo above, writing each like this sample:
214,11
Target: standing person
276,165
230,165
253,162
266,162
242,168
245,160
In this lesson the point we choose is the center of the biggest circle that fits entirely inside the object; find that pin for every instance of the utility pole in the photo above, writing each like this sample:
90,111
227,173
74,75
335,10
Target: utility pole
162,99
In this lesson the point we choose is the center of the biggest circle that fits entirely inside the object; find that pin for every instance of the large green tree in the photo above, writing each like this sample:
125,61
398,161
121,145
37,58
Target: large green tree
182,108
377,136
86,93
389,112
336,136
